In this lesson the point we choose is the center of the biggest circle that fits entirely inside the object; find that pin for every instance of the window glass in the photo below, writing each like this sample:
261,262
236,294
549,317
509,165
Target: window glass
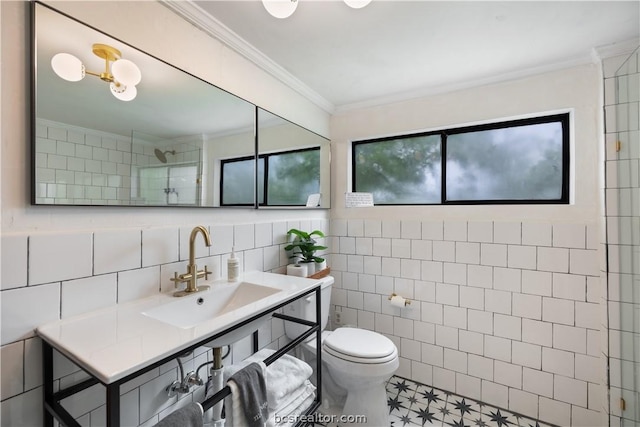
518,161
261,178
284,178
292,176
237,182
399,171
514,163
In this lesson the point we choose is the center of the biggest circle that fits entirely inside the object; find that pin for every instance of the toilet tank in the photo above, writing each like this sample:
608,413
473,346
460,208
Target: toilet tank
305,308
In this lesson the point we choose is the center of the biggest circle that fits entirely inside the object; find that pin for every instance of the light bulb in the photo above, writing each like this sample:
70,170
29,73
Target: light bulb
68,67
280,8
357,4
122,92
126,72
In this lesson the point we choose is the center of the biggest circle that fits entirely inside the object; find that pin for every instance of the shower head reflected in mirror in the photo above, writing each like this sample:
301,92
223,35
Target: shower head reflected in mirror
161,155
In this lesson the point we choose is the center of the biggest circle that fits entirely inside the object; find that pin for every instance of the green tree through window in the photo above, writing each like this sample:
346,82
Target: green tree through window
284,178
400,171
292,177
520,161
513,163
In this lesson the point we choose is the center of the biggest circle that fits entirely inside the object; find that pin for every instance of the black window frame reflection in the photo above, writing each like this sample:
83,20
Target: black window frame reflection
262,180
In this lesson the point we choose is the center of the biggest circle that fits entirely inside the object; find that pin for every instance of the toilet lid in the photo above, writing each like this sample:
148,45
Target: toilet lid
360,345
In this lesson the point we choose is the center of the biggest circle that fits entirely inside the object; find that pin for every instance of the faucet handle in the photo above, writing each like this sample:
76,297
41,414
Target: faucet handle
175,279
192,378
206,272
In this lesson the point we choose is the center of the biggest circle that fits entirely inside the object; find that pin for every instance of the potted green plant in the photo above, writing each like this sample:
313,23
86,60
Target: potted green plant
303,248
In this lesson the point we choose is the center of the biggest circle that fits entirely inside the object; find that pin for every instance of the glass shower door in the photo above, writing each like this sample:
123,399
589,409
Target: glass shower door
625,309
170,185
184,185
153,185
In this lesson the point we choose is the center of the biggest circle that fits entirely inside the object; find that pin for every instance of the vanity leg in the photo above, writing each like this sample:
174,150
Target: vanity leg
113,405
47,371
319,345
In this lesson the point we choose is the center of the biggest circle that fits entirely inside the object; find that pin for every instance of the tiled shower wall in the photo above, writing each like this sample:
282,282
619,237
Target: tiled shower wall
48,276
622,112
81,166
78,166
502,312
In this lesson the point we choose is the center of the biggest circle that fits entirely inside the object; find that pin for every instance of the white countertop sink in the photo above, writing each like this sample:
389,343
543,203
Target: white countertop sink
120,340
189,311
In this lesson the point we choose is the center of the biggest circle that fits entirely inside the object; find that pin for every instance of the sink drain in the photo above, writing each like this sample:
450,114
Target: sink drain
200,301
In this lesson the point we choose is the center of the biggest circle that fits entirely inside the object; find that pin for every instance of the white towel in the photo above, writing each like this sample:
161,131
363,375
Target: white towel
294,416
282,377
294,398
234,414
296,403
286,414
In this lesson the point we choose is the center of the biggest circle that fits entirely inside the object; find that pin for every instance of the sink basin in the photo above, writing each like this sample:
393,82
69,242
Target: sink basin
187,312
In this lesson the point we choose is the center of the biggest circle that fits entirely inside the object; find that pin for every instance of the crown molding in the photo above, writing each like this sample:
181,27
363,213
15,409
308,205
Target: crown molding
201,19
469,84
625,47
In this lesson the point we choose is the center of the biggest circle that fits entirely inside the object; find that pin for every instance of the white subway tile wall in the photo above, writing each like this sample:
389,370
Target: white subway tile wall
621,271
81,166
500,310
77,166
53,276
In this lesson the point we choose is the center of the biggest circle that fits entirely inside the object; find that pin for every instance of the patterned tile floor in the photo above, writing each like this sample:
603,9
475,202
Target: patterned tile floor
414,404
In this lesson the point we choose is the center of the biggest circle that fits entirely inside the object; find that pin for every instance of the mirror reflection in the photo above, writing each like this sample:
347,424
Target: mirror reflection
293,165
161,141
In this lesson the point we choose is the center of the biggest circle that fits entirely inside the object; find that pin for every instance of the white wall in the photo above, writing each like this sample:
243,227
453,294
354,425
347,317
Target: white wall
505,298
575,88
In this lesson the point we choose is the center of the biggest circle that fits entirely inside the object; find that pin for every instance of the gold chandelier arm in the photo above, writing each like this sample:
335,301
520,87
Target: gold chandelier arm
106,76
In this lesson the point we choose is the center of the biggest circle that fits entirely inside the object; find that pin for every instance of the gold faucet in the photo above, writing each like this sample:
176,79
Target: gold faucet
192,274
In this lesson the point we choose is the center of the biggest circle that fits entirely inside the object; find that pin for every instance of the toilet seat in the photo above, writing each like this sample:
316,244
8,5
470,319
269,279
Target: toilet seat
360,346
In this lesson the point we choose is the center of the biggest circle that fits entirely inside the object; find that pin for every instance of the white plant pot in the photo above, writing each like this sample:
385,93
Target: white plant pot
321,265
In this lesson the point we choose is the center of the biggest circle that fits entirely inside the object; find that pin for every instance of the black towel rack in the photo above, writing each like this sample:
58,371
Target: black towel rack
314,328
226,391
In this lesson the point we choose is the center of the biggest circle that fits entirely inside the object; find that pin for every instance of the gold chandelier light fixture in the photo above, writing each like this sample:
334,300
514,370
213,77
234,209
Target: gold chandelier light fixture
285,8
121,74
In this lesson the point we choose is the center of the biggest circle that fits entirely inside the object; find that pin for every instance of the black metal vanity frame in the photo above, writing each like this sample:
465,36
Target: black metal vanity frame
53,407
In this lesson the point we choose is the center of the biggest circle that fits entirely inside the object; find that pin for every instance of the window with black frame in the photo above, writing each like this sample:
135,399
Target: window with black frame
236,181
523,161
285,178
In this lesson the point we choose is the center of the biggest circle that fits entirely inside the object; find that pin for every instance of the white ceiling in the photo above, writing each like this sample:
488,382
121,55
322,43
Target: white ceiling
392,49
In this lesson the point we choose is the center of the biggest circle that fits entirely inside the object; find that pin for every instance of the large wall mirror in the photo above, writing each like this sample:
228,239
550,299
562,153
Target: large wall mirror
164,147
169,139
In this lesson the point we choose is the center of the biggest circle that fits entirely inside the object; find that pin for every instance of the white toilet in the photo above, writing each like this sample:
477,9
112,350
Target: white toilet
356,362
